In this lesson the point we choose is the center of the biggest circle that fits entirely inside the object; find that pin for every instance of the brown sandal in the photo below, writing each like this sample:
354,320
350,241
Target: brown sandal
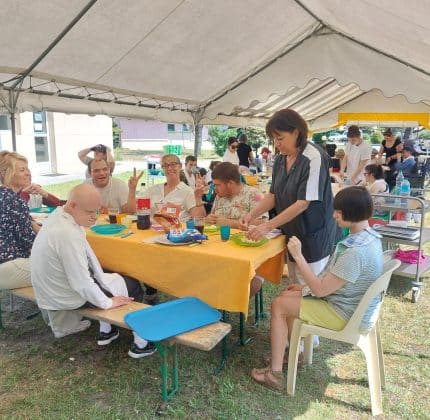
266,377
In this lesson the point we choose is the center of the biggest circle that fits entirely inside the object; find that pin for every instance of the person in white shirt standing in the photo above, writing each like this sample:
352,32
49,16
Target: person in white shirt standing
230,154
357,155
66,274
190,171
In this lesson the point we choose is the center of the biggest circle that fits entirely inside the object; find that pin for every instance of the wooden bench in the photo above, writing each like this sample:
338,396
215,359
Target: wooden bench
204,338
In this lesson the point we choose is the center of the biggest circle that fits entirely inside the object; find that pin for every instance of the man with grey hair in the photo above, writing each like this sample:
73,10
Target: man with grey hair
66,274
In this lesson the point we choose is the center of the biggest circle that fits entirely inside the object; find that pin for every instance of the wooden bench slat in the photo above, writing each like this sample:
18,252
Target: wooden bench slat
115,315
204,338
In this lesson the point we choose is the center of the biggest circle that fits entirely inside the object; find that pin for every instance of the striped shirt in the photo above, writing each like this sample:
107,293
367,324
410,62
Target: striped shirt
358,260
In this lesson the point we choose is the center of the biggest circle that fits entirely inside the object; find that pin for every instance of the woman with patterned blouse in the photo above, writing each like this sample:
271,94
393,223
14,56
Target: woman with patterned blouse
17,229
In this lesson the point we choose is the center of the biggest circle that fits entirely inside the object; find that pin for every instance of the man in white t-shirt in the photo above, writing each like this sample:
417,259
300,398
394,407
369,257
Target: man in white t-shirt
357,155
189,170
114,192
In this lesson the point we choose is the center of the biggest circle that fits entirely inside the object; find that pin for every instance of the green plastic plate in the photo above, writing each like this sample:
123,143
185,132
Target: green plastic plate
240,239
107,229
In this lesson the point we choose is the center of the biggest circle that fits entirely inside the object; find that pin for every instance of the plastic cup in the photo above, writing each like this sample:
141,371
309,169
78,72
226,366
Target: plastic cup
126,221
225,233
190,224
199,224
113,212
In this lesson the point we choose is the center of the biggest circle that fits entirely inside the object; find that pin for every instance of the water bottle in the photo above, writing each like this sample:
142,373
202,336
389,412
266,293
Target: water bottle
405,191
399,180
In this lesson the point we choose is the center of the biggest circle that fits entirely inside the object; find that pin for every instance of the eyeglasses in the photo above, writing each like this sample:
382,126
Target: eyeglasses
169,165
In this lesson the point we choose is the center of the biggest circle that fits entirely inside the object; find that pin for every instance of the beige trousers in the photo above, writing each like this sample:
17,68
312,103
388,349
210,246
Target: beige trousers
15,274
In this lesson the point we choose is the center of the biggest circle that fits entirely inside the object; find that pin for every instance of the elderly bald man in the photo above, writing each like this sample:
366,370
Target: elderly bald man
66,274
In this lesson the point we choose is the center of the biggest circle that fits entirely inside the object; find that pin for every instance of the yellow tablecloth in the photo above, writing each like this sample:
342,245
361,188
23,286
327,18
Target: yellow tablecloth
219,273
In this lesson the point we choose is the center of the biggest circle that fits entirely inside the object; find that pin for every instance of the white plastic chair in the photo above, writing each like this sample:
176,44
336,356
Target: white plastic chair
368,341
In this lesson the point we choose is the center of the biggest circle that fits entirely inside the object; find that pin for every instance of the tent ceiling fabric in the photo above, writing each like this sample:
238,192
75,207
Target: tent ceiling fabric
232,62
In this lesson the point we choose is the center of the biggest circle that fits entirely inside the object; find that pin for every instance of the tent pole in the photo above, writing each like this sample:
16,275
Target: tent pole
13,129
198,130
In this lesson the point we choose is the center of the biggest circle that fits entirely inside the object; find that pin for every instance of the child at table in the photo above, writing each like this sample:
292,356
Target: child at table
356,263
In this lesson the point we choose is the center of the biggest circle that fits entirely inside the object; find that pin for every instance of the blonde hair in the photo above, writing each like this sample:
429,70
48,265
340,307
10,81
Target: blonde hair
8,162
170,156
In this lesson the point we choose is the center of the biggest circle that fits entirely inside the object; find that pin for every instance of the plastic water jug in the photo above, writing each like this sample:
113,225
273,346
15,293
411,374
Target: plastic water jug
405,191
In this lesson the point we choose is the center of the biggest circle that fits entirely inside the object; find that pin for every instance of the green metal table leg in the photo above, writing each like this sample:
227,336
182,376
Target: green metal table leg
165,351
262,314
242,336
257,309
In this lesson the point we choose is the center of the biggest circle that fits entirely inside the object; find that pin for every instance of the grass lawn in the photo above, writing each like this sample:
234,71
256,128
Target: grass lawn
43,377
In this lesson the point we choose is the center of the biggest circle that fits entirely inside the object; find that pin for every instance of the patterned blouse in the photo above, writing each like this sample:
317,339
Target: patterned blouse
239,205
16,233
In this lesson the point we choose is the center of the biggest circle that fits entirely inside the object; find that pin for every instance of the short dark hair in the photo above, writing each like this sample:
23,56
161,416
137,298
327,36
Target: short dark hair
231,140
90,163
213,164
225,172
355,203
288,120
243,138
408,149
376,170
190,158
353,131
202,171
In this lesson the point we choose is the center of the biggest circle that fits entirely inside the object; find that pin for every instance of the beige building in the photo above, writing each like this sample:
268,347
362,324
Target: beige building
51,140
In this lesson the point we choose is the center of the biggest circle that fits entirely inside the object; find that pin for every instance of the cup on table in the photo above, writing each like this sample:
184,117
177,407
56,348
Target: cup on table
199,224
224,233
143,219
126,221
190,224
113,212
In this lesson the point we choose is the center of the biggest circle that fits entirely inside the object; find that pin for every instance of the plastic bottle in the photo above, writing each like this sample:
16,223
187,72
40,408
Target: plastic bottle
399,179
405,191
142,198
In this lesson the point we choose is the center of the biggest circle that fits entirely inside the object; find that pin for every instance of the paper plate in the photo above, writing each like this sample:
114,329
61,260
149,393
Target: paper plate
162,240
240,239
107,229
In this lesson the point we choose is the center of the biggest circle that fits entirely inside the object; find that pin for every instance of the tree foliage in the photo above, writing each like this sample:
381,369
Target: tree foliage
256,138
376,137
219,136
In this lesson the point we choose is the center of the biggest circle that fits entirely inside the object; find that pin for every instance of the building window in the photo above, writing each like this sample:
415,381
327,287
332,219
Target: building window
171,128
41,146
185,128
4,122
39,122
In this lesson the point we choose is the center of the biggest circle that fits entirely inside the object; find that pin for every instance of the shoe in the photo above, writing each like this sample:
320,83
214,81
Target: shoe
106,338
266,377
136,352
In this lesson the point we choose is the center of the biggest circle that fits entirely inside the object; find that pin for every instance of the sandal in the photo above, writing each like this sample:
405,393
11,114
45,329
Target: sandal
272,380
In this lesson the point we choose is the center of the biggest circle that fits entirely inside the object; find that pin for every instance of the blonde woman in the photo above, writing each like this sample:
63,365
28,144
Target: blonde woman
17,229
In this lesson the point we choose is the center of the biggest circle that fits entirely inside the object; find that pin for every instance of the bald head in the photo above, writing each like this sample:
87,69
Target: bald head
83,204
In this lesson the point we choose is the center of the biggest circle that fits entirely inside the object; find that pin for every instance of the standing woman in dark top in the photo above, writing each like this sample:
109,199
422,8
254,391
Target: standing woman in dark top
300,192
392,147
17,229
244,151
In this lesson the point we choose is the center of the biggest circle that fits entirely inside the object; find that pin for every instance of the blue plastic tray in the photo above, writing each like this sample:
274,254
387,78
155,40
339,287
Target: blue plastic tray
107,229
171,318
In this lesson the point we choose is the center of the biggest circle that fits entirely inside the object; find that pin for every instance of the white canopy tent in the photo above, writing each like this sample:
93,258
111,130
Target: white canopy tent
225,62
